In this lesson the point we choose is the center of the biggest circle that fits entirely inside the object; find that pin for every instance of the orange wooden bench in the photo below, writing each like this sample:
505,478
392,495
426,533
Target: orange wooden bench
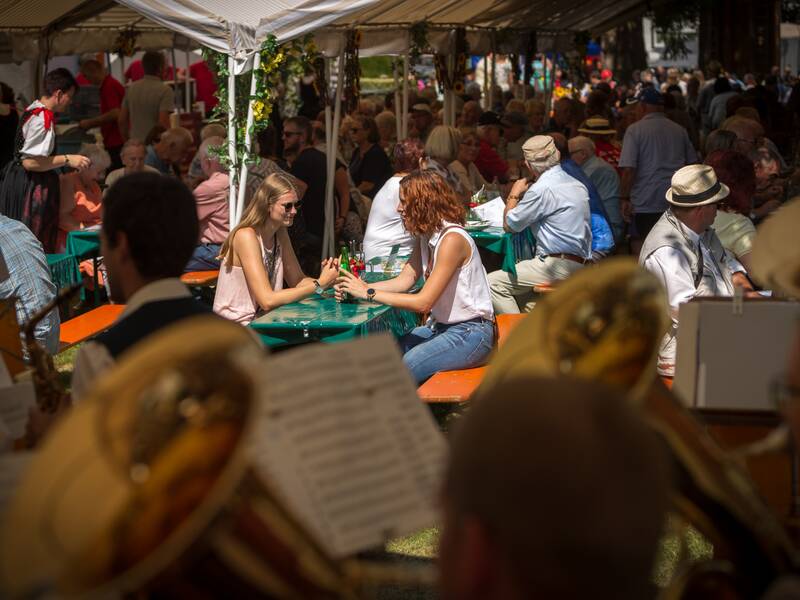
542,288
458,386
200,278
88,324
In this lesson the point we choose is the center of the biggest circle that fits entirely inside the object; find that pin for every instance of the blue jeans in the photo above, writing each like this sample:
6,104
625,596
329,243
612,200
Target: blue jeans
204,258
447,347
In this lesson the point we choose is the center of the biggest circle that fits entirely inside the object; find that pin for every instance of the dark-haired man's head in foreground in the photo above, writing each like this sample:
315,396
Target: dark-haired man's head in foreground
149,231
555,489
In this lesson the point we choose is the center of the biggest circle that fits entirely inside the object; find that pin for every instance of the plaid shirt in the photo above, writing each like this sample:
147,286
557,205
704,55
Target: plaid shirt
29,280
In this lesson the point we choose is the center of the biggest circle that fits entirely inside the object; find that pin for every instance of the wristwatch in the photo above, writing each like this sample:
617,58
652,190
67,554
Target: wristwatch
318,288
371,294
66,160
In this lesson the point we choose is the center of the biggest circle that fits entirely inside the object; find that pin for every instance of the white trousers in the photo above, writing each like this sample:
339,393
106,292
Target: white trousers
515,294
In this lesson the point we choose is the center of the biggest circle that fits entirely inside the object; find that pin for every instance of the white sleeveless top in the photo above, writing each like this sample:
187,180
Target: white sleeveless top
233,299
467,293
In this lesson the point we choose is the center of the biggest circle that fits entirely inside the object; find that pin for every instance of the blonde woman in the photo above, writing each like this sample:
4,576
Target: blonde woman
441,149
257,258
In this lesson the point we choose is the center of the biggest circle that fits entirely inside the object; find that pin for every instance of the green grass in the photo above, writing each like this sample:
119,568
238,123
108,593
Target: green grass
64,363
677,545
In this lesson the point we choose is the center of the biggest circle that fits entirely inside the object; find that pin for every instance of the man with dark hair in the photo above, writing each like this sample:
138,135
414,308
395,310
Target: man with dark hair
148,101
149,232
309,165
555,488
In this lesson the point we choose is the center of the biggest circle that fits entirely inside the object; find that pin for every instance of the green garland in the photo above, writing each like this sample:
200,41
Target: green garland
352,71
419,41
444,78
279,65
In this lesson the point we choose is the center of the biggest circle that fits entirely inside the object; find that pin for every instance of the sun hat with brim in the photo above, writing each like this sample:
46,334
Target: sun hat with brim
596,126
422,107
775,258
695,185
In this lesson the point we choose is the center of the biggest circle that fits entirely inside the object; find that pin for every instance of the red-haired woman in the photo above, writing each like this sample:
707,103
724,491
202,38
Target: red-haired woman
732,223
460,332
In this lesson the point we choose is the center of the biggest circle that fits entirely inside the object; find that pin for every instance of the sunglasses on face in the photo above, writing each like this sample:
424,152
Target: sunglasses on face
291,133
290,205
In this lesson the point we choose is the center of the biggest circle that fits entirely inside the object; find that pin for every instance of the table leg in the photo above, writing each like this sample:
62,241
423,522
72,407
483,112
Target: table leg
95,278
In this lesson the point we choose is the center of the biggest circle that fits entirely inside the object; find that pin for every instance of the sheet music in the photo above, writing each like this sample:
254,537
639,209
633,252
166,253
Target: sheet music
345,441
15,401
12,468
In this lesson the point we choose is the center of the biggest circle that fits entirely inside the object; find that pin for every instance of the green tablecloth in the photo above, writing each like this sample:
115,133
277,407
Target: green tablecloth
63,270
511,246
324,319
83,244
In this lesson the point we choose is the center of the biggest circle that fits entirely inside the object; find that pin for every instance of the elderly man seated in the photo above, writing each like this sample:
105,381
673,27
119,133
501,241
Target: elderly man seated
556,209
603,176
684,252
213,209
132,155
558,492
167,154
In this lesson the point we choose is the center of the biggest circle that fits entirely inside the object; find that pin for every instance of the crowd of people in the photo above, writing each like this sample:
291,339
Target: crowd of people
675,173
607,172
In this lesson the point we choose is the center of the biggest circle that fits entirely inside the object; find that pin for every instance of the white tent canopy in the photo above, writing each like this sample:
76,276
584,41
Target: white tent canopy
64,27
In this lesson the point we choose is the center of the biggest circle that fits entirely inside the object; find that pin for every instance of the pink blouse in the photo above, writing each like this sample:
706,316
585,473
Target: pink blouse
234,300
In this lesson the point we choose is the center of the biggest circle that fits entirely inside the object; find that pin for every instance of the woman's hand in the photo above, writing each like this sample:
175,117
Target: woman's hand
328,273
78,161
347,282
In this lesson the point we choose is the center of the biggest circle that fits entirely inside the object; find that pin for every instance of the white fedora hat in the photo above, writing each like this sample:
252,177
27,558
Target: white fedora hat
696,185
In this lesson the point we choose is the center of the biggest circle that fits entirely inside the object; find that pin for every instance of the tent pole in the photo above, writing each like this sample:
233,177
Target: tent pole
174,78
405,95
486,102
337,118
248,138
231,144
493,79
122,69
329,151
397,106
188,89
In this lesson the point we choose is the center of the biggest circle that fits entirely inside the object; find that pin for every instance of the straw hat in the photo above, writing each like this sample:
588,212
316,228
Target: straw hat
776,254
696,185
596,126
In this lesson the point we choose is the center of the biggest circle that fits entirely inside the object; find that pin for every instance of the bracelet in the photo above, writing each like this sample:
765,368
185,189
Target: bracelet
512,197
66,160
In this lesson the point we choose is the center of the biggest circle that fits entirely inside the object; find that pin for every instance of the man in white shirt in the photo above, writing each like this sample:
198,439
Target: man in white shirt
149,232
556,209
684,252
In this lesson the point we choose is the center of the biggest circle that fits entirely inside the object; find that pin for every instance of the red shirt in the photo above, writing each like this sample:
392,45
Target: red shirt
135,72
81,80
111,94
490,164
205,84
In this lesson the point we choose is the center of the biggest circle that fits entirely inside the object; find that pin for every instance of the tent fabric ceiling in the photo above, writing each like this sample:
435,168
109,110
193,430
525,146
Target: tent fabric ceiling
554,15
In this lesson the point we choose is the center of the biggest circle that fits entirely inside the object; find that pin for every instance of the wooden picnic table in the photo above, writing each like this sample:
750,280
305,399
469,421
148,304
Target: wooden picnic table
321,318
512,247
83,244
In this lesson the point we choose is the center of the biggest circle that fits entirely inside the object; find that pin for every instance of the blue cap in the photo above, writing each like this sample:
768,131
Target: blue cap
651,95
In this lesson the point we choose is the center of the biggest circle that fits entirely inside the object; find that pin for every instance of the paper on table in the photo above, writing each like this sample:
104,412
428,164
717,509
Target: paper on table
346,443
15,401
491,211
12,468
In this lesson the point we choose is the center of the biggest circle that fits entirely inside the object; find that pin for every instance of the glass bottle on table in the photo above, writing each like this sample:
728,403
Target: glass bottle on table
344,265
